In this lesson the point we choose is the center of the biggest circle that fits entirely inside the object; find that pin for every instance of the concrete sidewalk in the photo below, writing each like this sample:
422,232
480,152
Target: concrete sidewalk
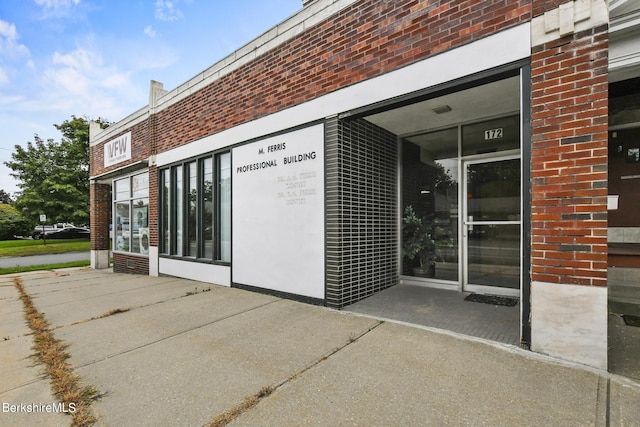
25,261
185,353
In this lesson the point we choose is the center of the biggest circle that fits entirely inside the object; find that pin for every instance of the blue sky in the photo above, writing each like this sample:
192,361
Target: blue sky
95,58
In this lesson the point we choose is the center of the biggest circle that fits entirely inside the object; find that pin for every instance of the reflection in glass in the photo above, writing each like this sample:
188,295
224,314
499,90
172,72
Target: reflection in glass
493,245
123,189
123,230
192,219
493,191
179,209
140,185
207,206
166,204
140,226
430,189
225,206
494,255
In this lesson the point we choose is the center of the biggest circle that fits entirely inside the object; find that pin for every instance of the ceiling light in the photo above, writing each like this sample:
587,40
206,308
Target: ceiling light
442,109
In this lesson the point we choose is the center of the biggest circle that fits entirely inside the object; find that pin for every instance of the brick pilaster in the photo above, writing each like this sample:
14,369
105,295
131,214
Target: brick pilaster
100,195
569,158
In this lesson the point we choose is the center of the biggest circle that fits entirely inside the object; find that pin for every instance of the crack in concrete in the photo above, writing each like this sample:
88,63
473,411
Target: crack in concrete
110,356
251,402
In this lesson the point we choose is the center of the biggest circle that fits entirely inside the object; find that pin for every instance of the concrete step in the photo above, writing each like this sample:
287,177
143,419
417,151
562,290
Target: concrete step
624,292
623,306
624,277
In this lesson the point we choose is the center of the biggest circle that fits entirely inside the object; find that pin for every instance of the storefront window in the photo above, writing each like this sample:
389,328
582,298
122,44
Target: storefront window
480,187
122,227
224,166
166,218
179,210
131,219
207,206
192,210
201,211
430,205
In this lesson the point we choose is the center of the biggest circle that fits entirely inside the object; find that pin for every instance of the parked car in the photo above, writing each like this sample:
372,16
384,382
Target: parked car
48,228
68,233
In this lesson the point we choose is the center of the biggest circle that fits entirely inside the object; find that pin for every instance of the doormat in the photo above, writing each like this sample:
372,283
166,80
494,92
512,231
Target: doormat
492,299
631,320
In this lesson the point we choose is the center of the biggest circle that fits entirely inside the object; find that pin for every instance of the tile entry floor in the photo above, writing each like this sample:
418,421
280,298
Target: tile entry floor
443,309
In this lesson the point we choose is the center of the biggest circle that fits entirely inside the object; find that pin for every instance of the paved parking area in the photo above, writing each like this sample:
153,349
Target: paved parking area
177,352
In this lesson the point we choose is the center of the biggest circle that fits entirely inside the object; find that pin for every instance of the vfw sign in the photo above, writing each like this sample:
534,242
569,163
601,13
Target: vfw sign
118,150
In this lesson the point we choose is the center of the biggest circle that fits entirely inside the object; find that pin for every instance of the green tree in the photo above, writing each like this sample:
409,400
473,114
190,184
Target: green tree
54,176
5,197
12,223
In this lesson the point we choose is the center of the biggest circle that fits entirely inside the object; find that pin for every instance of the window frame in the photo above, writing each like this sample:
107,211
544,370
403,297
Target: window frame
174,205
129,201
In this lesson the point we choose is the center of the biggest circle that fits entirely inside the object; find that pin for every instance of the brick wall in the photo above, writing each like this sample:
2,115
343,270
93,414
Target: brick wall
542,6
365,40
130,264
569,159
100,205
141,149
153,206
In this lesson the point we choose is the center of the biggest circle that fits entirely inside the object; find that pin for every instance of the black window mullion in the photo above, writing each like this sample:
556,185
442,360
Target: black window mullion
199,208
173,189
216,207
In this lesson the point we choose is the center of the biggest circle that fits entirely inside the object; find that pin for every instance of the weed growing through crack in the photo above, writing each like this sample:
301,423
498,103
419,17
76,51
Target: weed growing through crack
51,352
189,293
248,403
111,313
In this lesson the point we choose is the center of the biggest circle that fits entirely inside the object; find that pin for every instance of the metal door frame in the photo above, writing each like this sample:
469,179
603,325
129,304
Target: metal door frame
464,223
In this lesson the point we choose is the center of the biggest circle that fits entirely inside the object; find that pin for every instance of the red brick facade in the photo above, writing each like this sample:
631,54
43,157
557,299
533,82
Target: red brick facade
100,206
153,206
569,158
130,264
373,38
141,147
362,41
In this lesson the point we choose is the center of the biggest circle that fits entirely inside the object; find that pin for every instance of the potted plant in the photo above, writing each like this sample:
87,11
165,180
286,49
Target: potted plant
417,242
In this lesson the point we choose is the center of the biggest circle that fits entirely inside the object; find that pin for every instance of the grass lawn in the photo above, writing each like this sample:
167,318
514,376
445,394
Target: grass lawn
12,248
23,269
37,247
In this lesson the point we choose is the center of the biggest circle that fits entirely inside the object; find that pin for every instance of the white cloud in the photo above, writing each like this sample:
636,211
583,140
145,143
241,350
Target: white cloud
149,31
79,81
57,4
8,30
9,46
166,10
79,59
3,77
58,8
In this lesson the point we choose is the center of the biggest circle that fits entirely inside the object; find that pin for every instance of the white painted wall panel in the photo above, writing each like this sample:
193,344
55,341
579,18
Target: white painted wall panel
278,213
207,273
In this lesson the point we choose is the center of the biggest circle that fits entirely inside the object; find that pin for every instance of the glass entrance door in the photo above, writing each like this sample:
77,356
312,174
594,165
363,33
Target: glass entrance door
491,226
